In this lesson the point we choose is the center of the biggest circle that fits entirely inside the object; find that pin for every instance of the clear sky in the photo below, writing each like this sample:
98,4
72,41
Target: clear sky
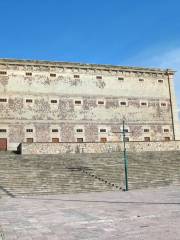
122,32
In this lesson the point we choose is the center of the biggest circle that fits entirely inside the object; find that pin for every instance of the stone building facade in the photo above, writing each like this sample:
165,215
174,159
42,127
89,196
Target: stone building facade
43,101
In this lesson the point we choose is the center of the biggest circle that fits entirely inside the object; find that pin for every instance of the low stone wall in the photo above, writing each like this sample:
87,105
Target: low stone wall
60,148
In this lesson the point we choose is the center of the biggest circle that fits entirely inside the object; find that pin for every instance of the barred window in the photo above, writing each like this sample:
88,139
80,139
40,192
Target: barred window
3,72
76,76
79,130
29,130
3,99
146,130
29,100
123,103
28,73
53,101
3,130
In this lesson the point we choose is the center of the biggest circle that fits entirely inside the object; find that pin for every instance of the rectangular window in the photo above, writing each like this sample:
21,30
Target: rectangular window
126,130
123,103
76,76
102,130
55,140
167,138
52,75
166,130
28,74
160,81
29,100
100,102
147,139
3,72
54,130
126,139
143,103
98,77
79,130
120,78
53,101
3,99
78,102
141,80
103,140
80,140
163,104
146,130
3,130
29,140
29,130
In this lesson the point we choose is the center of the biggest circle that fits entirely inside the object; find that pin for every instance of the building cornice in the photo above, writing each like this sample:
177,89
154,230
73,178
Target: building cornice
105,67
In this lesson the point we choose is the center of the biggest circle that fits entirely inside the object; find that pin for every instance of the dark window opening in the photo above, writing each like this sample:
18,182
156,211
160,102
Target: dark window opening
146,130
79,130
3,72
52,75
143,103
53,101
126,139
79,140
120,78
166,130
3,130
55,140
76,76
160,81
29,130
123,103
3,99
29,100
101,102
98,77
167,138
102,130
163,104
54,130
78,102
147,139
103,140
28,74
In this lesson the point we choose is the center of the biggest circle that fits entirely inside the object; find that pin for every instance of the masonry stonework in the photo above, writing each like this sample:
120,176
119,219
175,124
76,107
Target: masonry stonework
44,101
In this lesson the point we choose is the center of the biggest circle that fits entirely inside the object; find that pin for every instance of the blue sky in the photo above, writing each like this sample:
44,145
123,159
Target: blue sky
129,32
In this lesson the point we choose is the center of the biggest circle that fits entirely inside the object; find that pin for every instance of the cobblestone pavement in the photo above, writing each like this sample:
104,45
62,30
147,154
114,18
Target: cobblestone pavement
151,214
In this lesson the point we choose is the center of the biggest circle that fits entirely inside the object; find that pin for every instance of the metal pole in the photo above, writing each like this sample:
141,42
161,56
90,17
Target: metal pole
125,158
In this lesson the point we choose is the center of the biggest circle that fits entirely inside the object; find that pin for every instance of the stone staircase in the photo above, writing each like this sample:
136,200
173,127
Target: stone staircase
74,173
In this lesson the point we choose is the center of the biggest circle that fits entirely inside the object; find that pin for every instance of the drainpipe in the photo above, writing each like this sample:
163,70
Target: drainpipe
172,116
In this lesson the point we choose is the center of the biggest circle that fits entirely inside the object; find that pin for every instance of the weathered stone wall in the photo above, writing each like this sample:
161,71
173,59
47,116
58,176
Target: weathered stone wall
95,82
61,148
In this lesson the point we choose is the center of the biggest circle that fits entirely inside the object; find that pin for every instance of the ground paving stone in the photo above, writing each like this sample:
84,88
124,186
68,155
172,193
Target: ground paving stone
149,214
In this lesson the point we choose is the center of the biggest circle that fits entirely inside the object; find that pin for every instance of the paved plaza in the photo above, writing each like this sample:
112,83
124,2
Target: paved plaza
150,214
